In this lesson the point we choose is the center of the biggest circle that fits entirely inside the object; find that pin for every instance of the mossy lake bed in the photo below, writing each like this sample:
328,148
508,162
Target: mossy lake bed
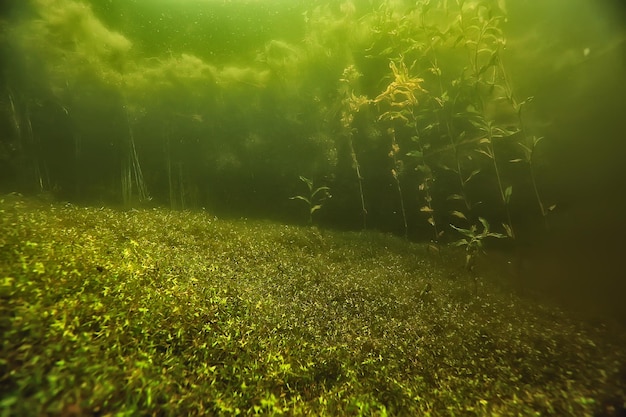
153,312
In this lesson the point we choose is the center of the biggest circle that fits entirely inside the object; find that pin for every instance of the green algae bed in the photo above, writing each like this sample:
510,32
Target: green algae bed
153,312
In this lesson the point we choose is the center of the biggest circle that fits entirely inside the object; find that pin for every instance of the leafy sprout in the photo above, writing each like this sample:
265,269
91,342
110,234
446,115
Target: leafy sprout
316,197
473,241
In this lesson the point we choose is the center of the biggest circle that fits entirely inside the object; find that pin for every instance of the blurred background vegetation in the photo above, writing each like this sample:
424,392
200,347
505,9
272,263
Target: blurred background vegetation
417,115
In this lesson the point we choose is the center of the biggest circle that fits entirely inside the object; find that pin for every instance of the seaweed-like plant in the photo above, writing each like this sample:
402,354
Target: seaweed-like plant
351,104
316,197
400,98
473,241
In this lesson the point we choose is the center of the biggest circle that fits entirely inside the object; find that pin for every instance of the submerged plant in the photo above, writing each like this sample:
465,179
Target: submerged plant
473,241
316,197
351,104
395,172
529,153
426,181
131,174
486,148
400,102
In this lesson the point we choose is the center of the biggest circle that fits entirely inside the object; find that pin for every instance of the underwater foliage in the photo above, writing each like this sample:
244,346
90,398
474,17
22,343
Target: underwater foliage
411,94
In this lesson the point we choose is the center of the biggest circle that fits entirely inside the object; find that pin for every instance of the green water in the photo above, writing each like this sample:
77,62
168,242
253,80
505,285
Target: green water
224,104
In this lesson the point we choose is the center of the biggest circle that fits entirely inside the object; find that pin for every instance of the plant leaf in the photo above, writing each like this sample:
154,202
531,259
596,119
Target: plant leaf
466,232
460,242
319,190
458,214
509,230
307,181
508,192
299,197
485,224
315,208
415,154
476,171
455,197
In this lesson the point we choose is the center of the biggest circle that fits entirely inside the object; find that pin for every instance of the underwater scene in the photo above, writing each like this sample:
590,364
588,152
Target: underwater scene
320,208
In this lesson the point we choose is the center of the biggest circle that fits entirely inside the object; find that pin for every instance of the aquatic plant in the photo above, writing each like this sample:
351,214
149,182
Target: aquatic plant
396,171
468,104
351,104
400,100
26,140
486,147
525,140
315,197
473,241
132,175
528,154
450,124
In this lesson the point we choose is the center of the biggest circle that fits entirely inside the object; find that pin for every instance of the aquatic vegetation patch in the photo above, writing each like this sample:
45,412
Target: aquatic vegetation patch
149,312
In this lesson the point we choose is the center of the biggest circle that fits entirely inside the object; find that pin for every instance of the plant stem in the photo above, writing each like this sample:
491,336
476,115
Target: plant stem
357,169
503,198
394,150
131,169
524,138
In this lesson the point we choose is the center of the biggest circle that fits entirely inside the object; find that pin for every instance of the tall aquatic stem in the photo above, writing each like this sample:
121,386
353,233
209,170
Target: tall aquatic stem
170,179
483,39
441,103
531,170
28,140
401,101
395,172
14,116
357,169
491,133
350,105
425,185
131,169
528,158
527,143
